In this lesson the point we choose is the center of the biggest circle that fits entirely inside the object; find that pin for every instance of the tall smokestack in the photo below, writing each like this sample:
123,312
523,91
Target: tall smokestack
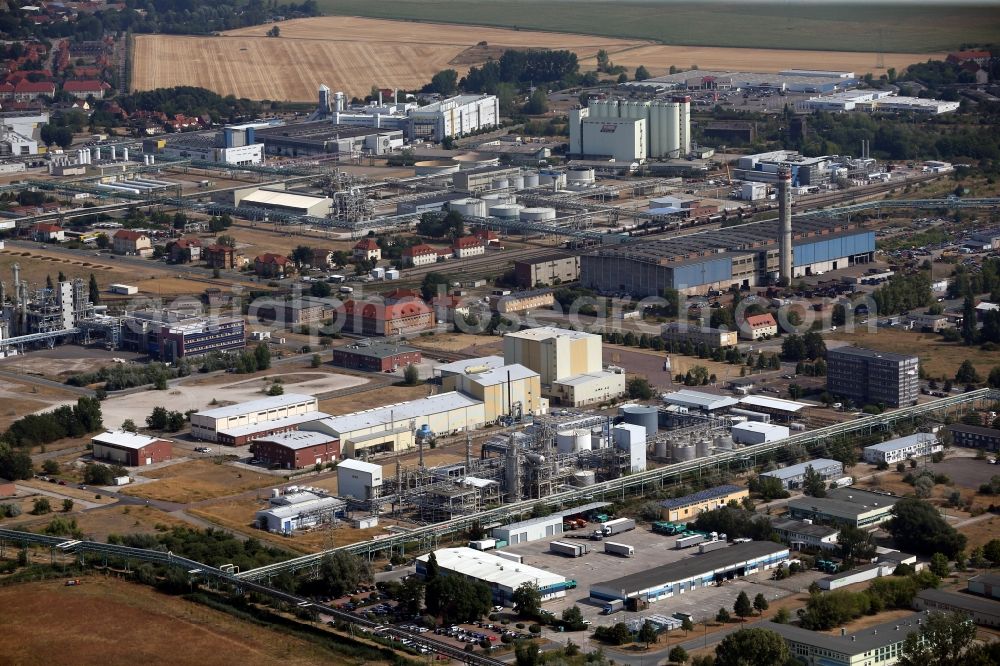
785,223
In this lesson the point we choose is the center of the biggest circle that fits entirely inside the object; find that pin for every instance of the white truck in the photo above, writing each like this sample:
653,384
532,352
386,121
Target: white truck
622,549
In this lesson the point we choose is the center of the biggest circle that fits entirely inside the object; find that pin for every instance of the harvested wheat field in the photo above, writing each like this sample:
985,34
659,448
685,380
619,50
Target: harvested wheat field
110,622
198,480
353,54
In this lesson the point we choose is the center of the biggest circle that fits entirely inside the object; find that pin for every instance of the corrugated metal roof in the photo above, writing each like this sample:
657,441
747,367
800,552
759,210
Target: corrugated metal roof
773,403
124,439
860,642
700,496
495,376
286,199
403,411
793,471
492,569
298,439
699,400
902,442
274,424
260,405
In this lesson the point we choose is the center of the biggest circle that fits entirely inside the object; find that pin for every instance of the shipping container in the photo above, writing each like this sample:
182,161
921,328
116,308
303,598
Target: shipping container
568,549
711,545
690,540
513,557
613,606
622,549
483,544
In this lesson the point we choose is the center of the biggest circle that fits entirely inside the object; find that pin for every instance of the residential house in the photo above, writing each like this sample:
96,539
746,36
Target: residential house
220,256
419,255
48,233
185,250
129,242
468,246
273,265
759,326
84,89
367,249
26,91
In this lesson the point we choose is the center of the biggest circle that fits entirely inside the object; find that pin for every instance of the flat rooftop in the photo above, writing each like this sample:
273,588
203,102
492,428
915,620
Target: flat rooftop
123,439
861,352
261,405
696,565
902,442
701,496
399,413
802,527
793,471
273,424
699,400
865,640
777,404
845,501
318,130
492,569
298,439
376,349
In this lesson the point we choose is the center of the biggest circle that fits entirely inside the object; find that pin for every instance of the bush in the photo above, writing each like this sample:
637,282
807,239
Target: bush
535,629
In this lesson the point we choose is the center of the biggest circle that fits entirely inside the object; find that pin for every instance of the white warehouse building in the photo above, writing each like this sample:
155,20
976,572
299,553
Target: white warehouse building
206,424
755,432
501,575
455,116
358,479
296,511
902,448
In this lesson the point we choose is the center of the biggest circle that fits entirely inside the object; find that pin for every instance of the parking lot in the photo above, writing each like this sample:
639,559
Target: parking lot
651,550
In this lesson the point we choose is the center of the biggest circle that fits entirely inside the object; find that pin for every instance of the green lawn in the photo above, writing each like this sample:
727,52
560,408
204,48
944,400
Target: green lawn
836,27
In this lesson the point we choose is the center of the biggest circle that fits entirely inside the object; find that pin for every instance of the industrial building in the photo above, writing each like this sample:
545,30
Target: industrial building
901,448
589,388
395,427
873,377
532,529
708,403
297,511
631,130
687,575
296,449
715,338
244,434
977,437
805,171
687,508
326,138
880,645
359,479
775,407
507,392
235,145
453,117
847,506
791,80
170,335
801,534
275,198
548,270
130,449
982,611
387,317
877,101
375,356
501,575
985,584
742,256
756,432
207,424
792,476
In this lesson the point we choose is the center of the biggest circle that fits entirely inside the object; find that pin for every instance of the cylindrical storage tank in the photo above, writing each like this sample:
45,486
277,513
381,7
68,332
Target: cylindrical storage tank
493,198
499,184
565,441
95,153
673,136
125,154
597,440
582,440
275,492
469,207
507,211
516,182
580,176
647,416
660,449
683,452
724,442
530,180
703,448
152,159
584,478
473,160
435,167
538,214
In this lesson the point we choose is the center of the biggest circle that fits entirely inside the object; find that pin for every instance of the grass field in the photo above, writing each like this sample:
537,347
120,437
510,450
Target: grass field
109,622
198,480
352,54
938,358
825,26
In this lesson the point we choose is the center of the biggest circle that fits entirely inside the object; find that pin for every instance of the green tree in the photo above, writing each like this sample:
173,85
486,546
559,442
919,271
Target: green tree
50,466
128,425
276,389
410,594
917,527
794,391
94,291
752,647
812,483
262,356
967,373
723,616
302,256
444,82
760,603
639,389
411,375
742,606
969,321
341,572
782,616
994,379
41,506
991,551
647,634
538,103
67,505
687,625
458,599
158,418
320,289
316,361
573,619
641,73
527,653
939,565
942,640
433,284
678,655
527,600
855,543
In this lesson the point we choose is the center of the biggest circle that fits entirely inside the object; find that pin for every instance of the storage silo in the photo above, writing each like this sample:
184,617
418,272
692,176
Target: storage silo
660,448
703,448
507,211
682,452
499,184
95,153
516,182
580,176
724,442
565,441
672,137
494,198
597,439
646,416
468,207
435,167
539,214
584,478
531,179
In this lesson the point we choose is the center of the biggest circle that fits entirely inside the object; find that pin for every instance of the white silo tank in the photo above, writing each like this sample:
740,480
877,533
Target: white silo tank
507,211
584,478
531,179
112,153
469,207
95,153
500,184
582,440
152,159
673,137
565,441
125,154
516,182
580,176
724,442
82,156
597,440
538,214
703,448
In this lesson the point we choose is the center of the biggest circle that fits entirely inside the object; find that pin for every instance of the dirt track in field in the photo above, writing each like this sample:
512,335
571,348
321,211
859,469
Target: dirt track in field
353,54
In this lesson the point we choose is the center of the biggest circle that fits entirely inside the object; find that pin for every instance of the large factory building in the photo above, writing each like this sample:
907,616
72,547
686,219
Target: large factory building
744,256
631,130
455,116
